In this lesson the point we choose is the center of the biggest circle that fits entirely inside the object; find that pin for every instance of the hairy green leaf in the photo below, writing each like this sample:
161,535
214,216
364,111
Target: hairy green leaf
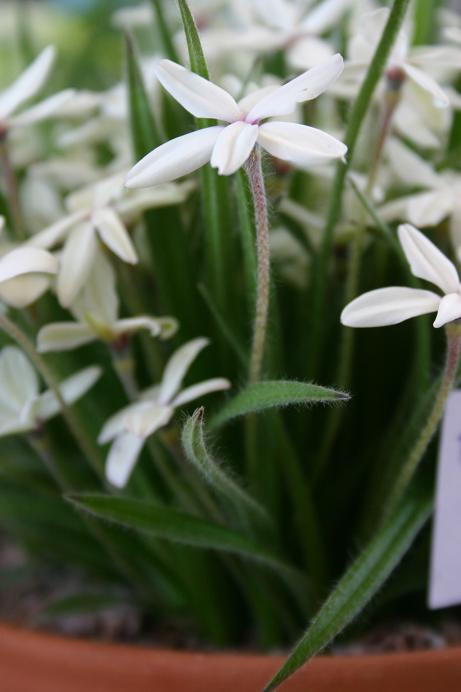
360,582
275,394
193,441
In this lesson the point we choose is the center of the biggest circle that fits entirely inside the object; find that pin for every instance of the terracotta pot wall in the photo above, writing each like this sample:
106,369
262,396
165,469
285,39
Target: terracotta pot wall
36,662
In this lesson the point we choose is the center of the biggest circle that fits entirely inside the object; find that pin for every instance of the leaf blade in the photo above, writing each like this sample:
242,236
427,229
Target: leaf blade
359,584
267,394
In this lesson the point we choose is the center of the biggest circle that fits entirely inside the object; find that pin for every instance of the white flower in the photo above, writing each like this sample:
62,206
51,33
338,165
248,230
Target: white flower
440,198
22,407
26,86
228,147
280,25
130,427
96,310
395,304
423,112
99,212
25,274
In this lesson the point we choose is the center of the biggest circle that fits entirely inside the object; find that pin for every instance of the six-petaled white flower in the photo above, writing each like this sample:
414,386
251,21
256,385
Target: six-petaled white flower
228,147
100,211
129,428
385,306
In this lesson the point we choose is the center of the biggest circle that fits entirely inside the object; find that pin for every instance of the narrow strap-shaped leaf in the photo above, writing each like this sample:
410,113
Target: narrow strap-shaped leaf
194,46
275,394
144,135
193,441
164,31
164,230
360,582
172,525
213,190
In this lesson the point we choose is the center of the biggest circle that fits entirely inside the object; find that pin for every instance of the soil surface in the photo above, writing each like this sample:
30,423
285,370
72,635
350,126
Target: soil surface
46,599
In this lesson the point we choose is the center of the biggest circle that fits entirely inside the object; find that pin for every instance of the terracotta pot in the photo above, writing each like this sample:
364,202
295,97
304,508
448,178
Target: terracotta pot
37,662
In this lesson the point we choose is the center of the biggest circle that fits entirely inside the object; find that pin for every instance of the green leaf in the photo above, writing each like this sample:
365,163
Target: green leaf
213,189
360,582
193,441
196,55
355,122
144,135
164,31
275,394
172,525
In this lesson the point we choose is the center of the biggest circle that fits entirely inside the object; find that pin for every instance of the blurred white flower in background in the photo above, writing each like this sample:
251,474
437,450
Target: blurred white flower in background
133,425
386,306
99,212
228,147
24,88
25,274
440,197
96,310
22,407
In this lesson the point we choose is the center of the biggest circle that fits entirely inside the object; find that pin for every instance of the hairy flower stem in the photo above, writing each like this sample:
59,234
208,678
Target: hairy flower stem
408,469
258,191
76,429
11,187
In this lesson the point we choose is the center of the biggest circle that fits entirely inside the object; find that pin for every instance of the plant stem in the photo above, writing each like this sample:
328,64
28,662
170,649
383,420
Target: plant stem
11,187
407,471
258,191
83,440
356,118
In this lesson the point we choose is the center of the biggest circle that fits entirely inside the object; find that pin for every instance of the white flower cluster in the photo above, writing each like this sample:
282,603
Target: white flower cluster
80,217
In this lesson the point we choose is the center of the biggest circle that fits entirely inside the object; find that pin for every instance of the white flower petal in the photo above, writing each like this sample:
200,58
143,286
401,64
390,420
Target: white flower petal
174,159
163,327
114,234
426,261
55,234
98,302
24,290
177,367
449,309
233,147
45,109
115,425
76,262
197,95
216,384
148,419
409,167
27,260
122,458
254,97
63,336
390,305
429,208
18,379
308,52
135,202
303,88
72,389
301,145
324,16
424,81
28,83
